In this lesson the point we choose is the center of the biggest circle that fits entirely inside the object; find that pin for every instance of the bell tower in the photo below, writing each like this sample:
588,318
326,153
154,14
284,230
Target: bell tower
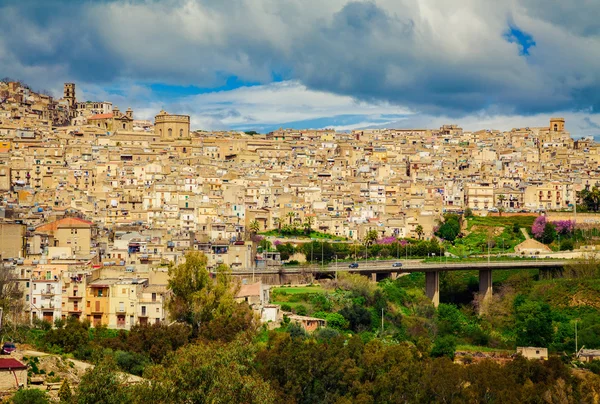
69,94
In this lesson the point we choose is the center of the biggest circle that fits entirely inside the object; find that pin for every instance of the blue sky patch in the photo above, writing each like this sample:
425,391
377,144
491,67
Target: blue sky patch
521,38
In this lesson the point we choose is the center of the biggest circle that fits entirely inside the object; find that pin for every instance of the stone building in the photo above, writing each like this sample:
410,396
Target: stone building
172,127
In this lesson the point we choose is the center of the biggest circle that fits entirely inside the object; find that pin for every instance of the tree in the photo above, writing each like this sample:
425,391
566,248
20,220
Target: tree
371,237
450,228
444,346
206,373
358,317
549,234
64,393
501,199
30,396
468,212
102,384
254,227
197,299
278,222
533,323
419,231
286,250
291,216
186,282
308,222
11,296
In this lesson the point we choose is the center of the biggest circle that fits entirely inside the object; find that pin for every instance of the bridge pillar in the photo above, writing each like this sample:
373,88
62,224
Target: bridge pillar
394,275
485,287
432,287
374,276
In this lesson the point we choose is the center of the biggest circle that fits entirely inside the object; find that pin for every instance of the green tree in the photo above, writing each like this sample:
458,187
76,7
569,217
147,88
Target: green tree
371,237
468,213
278,222
308,222
549,234
291,216
30,396
206,373
419,230
197,299
64,393
444,346
533,323
102,384
254,227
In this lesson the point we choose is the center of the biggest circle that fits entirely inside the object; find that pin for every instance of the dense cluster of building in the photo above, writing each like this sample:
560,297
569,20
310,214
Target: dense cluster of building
95,204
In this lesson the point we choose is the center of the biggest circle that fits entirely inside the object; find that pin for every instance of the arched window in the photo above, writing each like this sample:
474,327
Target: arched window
160,132
180,132
123,126
170,132
555,127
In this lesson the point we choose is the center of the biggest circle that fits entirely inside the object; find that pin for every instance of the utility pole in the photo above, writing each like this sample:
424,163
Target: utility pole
336,267
576,350
322,262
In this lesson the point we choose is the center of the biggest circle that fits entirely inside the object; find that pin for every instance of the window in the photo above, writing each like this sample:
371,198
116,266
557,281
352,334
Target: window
158,310
170,132
99,293
34,300
181,135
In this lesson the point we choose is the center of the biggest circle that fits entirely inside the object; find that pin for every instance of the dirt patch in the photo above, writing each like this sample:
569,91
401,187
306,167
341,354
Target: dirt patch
496,231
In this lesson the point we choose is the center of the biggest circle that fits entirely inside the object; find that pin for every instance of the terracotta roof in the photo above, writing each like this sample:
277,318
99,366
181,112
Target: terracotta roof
100,116
10,364
62,223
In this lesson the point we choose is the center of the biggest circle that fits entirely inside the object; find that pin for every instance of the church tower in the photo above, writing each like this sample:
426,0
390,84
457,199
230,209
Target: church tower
69,94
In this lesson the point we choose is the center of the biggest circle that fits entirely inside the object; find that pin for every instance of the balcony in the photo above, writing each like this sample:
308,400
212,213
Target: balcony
75,297
48,292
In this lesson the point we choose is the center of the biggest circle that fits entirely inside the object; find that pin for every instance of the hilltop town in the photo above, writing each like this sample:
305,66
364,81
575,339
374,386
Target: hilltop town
96,203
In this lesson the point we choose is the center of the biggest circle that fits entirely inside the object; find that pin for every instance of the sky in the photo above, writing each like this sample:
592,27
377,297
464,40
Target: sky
265,64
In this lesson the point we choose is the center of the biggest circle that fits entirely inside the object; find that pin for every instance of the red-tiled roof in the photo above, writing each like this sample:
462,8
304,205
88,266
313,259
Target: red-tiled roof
62,223
10,363
100,116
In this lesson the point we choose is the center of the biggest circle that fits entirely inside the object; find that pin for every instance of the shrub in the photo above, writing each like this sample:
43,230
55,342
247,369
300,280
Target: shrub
286,307
301,310
30,396
444,346
566,245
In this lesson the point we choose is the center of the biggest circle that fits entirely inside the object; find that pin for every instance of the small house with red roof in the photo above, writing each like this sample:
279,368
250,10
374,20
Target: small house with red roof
13,374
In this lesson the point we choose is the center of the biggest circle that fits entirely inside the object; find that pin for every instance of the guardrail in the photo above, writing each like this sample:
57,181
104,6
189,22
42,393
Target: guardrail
381,266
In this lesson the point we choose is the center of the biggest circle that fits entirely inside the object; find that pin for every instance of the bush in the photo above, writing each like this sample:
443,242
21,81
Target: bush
286,307
301,310
30,396
444,346
566,245
326,333
336,321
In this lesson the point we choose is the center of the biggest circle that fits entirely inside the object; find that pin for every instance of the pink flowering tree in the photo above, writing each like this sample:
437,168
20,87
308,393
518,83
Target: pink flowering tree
387,240
538,227
564,226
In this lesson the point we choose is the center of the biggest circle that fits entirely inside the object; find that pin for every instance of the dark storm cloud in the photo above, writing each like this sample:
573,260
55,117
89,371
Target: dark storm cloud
434,56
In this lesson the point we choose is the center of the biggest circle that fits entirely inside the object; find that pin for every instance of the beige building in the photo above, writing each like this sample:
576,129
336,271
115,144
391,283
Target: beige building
12,240
172,127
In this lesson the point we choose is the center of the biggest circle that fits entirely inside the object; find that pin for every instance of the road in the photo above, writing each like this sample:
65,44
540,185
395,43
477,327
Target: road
412,266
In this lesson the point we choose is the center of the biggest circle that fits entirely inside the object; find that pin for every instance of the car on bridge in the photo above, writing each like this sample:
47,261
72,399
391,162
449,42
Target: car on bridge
353,265
396,265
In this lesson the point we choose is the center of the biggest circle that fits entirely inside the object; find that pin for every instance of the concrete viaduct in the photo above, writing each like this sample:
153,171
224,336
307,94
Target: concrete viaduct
379,270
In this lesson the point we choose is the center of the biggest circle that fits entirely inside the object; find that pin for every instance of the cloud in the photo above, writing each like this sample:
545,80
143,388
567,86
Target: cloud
434,57
266,107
